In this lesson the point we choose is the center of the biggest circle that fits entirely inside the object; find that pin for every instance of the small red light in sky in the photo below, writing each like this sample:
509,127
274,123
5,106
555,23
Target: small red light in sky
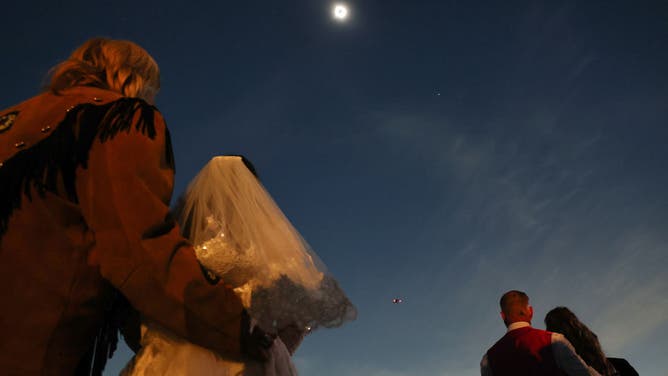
397,300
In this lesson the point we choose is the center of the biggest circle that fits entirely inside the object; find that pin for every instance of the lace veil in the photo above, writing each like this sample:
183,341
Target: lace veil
241,235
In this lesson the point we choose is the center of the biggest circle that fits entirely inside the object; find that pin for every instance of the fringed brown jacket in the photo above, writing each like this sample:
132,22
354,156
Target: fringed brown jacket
85,182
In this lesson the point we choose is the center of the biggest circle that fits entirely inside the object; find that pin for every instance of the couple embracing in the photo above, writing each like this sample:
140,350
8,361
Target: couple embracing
567,347
222,285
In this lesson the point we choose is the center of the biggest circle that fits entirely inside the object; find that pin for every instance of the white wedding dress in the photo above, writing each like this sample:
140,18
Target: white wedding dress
242,236
164,354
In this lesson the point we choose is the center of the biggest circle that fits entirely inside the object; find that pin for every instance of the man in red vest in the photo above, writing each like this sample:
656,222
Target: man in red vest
525,351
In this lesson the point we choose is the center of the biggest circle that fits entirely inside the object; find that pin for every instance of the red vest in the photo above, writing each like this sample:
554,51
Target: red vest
523,352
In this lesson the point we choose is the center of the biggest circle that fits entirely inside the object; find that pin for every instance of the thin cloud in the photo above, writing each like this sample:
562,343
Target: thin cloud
542,221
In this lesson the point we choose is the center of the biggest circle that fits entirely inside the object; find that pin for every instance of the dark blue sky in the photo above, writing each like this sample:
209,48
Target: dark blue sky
439,151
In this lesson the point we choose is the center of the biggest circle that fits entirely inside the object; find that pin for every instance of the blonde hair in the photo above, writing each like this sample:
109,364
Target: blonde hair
116,65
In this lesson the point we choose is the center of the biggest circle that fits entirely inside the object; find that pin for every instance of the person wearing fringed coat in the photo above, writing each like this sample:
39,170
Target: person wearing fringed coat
86,177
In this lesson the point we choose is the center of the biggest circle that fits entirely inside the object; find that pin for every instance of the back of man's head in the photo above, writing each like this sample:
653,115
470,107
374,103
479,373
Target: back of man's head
515,307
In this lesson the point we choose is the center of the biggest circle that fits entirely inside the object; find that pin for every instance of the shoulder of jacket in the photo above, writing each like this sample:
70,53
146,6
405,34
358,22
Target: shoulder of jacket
33,120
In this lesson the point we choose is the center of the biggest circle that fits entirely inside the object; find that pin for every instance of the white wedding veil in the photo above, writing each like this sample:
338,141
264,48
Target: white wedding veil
241,235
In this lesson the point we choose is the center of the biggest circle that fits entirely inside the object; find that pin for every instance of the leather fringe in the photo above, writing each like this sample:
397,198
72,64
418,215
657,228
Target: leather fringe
119,317
57,157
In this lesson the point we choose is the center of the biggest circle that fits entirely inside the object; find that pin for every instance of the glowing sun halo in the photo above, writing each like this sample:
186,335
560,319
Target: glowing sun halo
340,12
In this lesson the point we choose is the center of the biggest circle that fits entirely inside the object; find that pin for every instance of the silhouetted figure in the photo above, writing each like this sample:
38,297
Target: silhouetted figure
525,351
563,320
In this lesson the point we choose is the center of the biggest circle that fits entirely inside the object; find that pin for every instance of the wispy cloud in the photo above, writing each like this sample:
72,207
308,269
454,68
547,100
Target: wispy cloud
547,219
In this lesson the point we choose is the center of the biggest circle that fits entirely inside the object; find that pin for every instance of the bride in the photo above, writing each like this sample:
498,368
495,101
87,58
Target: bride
243,238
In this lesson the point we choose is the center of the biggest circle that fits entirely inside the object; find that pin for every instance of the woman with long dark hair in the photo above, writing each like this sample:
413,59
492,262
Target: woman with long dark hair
562,320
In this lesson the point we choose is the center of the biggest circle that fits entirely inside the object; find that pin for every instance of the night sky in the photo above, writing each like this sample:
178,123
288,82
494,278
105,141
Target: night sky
442,152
